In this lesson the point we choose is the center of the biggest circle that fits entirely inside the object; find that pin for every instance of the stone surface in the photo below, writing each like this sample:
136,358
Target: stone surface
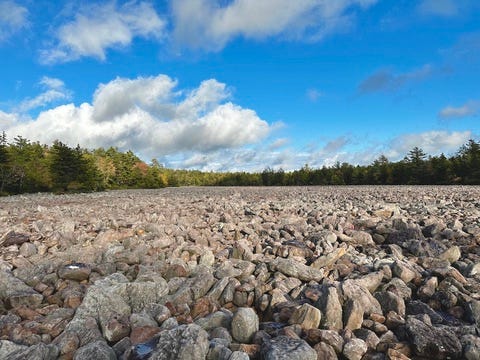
153,272
285,348
430,341
307,316
244,324
185,342
95,350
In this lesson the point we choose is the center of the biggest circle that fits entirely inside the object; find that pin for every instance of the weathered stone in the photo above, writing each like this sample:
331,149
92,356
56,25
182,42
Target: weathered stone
325,351
185,342
285,348
329,305
354,349
95,350
293,268
16,293
351,290
244,324
390,302
75,271
430,341
12,351
404,271
329,259
452,254
353,314
307,316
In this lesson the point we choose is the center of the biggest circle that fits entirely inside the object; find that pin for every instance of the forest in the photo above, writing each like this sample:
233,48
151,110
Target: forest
27,167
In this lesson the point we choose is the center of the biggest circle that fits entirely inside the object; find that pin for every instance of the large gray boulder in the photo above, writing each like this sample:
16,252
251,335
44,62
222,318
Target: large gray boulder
185,342
286,348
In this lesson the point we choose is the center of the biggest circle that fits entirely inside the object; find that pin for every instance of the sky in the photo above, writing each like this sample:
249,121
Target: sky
241,85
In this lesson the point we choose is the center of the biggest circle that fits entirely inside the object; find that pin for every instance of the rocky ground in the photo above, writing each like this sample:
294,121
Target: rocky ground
239,273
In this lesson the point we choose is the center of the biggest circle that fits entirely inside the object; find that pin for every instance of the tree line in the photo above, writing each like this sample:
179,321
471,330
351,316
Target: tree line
27,166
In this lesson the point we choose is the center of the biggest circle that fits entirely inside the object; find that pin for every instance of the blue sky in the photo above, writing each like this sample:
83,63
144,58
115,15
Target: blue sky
243,84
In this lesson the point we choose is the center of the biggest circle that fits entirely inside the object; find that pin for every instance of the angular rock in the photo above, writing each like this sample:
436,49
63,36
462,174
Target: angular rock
329,305
98,350
185,342
351,290
295,269
390,302
325,351
307,316
433,342
16,293
285,348
452,254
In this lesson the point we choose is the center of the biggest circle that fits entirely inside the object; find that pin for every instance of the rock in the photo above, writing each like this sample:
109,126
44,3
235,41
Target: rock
471,348
143,334
75,271
185,342
307,316
353,314
371,281
285,348
404,271
452,254
295,269
430,341
390,302
329,305
244,324
325,352
329,259
28,249
98,350
16,293
115,328
361,237
351,290
12,351
239,355
354,349
67,342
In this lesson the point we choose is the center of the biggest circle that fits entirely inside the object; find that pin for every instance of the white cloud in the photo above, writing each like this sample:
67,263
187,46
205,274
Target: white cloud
470,108
211,24
387,80
13,18
148,116
432,142
54,90
97,28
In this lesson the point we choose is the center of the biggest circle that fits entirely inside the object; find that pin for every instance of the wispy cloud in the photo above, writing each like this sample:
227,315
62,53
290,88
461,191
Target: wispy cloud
388,80
471,107
446,8
54,90
314,94
13,18
97,28
211,24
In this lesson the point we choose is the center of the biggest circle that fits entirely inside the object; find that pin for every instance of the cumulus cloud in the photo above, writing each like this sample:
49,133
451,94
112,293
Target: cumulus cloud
96,28
13,18
210,25
470,108
432,142
387,80
54,90
148,116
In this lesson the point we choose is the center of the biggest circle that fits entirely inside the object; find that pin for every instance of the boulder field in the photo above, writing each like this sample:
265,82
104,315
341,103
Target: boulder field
242,273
